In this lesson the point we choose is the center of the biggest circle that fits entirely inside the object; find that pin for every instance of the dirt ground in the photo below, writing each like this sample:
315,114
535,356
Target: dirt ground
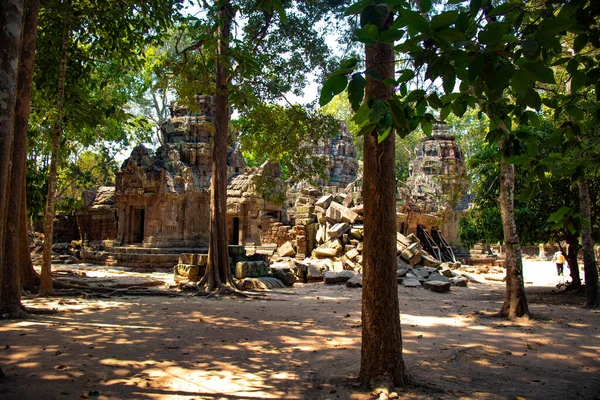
300,343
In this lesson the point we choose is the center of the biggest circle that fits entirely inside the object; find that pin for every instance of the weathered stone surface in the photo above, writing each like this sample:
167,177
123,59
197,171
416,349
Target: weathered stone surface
338,266
251,269
352,254
402,239
315,272
429,261
446,272
459,281
357,232
411,282
194,259
187,272
286,250
359,209
355,281
337,230
287,277
324,201
420,272
337,276
438,277
437,286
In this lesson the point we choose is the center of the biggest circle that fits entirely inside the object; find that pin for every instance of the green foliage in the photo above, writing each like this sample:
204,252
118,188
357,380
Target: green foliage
287,136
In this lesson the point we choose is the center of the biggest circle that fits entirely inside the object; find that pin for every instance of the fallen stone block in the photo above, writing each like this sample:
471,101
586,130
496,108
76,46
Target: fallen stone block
446,272
355,281
359,209
286,277
402,239
438,277
286,250
193,259
411,282
429,261
330,277
352,254
324,252
187,272
324,201
251,269
337,230
338,266
437,286
459,281
420,273
314,272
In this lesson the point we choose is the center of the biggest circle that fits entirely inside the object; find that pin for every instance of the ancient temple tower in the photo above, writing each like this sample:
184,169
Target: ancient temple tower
342,163
438,181
163,200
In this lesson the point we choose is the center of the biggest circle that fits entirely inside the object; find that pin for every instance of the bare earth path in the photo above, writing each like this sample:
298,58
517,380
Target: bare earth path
301,343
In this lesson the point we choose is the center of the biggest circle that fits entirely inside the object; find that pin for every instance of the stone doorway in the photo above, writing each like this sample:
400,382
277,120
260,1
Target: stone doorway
235,236
137,225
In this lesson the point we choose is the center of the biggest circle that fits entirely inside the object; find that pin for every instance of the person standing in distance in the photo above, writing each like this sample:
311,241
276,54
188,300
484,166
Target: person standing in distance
559,259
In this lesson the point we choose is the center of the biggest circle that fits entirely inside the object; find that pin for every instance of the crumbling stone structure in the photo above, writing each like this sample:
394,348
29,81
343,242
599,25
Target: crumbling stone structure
97,220
342,163
163,200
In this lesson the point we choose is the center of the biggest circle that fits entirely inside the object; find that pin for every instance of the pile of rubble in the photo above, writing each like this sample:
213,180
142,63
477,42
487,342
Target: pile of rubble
338,256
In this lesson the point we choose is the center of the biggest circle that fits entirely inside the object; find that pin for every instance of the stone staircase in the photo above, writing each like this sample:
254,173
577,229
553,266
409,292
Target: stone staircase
138,257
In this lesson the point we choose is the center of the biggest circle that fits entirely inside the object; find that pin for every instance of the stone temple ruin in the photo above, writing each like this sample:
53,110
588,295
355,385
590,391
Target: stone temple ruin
158,213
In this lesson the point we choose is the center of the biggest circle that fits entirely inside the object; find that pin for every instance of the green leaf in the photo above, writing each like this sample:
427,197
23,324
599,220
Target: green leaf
548,42
444,19
425,5
377,110
451,35
458,108
475,6
366,129
520,82
357,7
368,34
533,99
406,75
578,81
531,48
538,72
415,20
445,111
503,9
449,81
397,113
426,126
383,135
493,32
361,114
333,86
403,89
278,7
434,101
552,26
580,41
356,90
391,35
559,215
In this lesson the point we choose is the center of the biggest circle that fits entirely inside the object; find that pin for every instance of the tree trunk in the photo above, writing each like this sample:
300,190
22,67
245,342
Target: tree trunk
46,277
218,272
381,353
15,226
515,302
573,243
587,243
11,16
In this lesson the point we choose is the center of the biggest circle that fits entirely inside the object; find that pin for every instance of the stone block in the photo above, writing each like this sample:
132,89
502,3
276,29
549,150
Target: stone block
420,272
436,276
459,281
446,272
286,250
337,230
402,239
411,282
287,277
352,254
355,281
413,238
334,212
356,233
437,286
323,251
324,201
314,272
359,209
187,272
330,277
360,247
429,261
251,269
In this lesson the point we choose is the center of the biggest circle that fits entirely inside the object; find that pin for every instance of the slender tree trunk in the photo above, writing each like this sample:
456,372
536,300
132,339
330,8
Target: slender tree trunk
16,226
218,272
589,259
573,243
20,242
46,277
381,364
11,19
515,302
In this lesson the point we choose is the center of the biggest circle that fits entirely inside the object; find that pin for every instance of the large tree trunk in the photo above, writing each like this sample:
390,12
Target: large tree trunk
218,272
11,15
381,353
46,277
15,226
573,243
587,243
515,302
